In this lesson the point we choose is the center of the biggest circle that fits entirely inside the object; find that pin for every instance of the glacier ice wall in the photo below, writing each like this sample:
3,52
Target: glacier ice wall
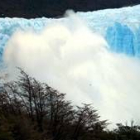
121,39
110,80
120,27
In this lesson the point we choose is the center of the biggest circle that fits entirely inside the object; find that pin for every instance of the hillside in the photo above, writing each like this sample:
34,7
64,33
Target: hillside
56,8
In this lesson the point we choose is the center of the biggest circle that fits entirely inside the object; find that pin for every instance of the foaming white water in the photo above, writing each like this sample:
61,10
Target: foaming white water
76,61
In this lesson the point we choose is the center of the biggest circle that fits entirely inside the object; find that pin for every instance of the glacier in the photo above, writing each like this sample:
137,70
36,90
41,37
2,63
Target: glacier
120,27
107,76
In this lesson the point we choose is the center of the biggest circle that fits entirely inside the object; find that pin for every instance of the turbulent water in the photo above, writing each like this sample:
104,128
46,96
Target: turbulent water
93,57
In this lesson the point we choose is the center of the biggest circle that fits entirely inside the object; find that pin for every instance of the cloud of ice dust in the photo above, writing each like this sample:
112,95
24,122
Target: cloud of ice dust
74,60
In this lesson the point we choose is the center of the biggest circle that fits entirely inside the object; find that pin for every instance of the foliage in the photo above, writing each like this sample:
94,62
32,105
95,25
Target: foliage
31,110
56,8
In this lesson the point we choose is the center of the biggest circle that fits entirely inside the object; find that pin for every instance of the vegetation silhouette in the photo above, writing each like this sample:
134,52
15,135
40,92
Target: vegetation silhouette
31,110
56,8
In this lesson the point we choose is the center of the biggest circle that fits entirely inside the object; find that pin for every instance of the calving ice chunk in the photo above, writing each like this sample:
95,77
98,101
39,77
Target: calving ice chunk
86,55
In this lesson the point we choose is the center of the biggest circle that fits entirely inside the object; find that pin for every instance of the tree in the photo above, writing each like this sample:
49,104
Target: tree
45,113
87,122
125,132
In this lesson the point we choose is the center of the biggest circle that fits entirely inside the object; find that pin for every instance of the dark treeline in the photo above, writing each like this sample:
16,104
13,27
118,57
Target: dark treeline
56,8
30,110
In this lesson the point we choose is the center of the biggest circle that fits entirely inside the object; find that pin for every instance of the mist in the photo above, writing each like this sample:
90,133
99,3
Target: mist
77,61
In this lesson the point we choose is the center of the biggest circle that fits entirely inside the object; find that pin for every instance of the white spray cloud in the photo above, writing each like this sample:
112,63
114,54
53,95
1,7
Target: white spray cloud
76,61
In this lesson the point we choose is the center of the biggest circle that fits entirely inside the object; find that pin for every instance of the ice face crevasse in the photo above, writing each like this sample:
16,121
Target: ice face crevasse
121,39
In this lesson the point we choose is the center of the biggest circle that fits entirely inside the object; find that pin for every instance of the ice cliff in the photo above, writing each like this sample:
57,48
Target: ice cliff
120,27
